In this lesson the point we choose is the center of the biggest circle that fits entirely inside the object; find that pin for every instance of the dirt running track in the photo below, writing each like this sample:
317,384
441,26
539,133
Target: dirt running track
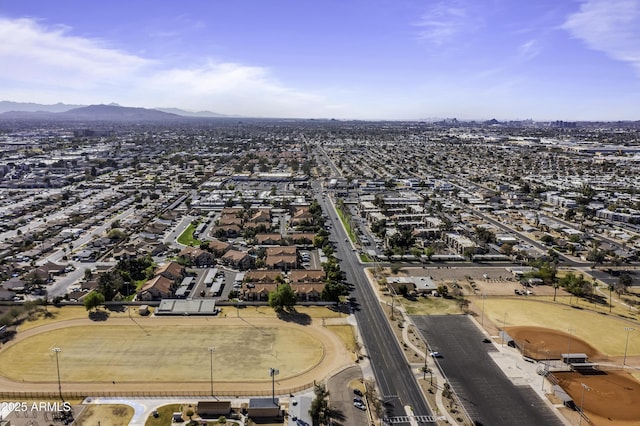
335,357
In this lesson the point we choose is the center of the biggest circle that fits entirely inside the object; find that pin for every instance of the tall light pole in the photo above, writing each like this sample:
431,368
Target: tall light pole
273,373
570,330
626,345
211,351
504,322
584,388
57,351
424,370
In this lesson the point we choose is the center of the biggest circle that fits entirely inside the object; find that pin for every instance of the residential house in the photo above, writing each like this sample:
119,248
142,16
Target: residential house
301,238
301,216
219,248
281,257
258,283
159,287
229,231
197,256
269,239
307,284
238,259
172,270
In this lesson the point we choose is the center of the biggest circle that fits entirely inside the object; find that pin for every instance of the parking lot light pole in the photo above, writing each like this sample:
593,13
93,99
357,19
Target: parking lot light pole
57,351
626,345
426,352
584,388
273,373
504,322
211,351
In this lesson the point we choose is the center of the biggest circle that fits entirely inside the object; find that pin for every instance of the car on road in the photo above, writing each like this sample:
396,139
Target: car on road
435,354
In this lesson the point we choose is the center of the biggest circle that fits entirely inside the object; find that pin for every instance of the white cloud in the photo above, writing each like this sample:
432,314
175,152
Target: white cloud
239,88
48,64
529,50
443,22
609,26
33,54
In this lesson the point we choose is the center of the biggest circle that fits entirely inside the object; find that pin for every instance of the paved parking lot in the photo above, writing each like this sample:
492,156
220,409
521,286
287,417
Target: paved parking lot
488,395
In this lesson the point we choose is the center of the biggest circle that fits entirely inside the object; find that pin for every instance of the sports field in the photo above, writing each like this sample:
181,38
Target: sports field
606,333
126,353
171,354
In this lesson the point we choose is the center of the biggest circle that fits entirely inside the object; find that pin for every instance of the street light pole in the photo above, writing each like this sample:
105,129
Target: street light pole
584,388
57,351
504,322
211,351
424,370
626,345
273,373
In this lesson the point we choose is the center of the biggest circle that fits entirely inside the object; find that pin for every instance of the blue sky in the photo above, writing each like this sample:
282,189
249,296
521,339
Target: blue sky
373,59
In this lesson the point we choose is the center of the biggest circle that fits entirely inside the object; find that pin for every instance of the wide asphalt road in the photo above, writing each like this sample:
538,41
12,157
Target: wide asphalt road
393,374
487,394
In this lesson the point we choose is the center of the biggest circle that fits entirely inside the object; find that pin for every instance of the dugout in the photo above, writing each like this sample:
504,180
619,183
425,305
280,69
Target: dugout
574,358
214,409
264,408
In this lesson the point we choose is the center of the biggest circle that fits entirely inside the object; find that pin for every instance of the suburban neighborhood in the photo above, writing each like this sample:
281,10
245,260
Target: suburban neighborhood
213,218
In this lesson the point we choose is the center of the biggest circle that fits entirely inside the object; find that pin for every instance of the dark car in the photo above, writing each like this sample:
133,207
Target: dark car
357,392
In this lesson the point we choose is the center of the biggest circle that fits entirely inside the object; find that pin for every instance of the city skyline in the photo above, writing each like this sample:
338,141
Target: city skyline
568,60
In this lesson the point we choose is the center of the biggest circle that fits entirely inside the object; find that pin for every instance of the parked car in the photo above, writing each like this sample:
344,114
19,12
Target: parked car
357,392
359,405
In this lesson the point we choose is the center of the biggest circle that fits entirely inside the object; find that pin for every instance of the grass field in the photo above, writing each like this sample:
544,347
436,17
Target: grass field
345,333
605,332
125,353
186,237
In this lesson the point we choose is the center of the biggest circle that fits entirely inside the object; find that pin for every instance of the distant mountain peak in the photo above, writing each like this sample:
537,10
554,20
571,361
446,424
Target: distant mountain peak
112,111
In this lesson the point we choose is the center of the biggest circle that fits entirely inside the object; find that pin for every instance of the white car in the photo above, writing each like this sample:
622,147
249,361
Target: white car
359,405
435,354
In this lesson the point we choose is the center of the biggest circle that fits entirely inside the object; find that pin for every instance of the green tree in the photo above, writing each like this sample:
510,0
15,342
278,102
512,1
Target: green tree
403,290
109,285
332,291
93,300
625,280
283,298
443,290
319,410
429,252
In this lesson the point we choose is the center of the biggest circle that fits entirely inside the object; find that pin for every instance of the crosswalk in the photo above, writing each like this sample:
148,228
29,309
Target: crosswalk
408,419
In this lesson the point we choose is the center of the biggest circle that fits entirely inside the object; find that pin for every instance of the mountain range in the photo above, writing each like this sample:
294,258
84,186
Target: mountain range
20,110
